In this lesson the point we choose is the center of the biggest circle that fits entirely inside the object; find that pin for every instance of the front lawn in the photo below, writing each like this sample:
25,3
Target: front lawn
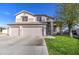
62,45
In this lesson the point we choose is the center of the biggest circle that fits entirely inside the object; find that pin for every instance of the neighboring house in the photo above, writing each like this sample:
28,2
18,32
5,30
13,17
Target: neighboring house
3,30
28,24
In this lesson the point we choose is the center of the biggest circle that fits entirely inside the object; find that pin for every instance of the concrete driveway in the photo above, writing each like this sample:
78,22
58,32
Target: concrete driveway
22,46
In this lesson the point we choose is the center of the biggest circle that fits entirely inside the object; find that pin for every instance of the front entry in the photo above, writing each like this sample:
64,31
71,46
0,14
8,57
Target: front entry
48,28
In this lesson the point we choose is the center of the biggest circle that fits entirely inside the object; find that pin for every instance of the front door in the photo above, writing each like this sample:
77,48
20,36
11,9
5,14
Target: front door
48,28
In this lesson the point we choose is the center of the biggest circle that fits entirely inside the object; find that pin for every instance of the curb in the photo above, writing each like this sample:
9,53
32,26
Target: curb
44,43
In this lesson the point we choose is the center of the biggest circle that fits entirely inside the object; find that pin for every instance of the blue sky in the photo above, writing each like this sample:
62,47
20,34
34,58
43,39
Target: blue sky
8,10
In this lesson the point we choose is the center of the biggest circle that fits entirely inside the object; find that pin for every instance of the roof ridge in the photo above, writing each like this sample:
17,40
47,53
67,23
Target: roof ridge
24,11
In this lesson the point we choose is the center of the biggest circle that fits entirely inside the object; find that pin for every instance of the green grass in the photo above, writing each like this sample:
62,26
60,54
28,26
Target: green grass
62,45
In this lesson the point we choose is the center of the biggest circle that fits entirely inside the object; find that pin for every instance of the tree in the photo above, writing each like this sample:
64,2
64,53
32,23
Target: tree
59,24
69,13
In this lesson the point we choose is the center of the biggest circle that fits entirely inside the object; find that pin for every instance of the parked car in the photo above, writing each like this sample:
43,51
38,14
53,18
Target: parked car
74,32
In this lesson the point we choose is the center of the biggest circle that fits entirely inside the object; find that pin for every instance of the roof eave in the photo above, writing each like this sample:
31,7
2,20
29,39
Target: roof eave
25,12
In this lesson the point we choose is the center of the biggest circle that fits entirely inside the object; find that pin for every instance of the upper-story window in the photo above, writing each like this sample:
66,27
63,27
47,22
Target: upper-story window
43,19
24,18
39,18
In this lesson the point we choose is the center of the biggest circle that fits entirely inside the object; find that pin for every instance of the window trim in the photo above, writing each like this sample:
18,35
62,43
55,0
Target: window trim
23,20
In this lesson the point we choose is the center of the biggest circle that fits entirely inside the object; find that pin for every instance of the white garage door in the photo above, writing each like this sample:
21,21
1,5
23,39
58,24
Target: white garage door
31,31
13,32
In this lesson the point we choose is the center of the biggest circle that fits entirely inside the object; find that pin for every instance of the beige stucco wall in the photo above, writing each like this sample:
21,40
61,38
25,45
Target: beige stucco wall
31,18
44,18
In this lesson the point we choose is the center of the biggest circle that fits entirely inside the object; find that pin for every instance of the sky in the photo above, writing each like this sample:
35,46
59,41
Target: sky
8,10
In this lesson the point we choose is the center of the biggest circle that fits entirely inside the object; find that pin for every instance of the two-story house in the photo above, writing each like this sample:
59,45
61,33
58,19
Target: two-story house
28,24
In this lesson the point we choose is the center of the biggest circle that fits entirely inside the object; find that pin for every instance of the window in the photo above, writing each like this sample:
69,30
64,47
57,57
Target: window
24,18
39,18
54,28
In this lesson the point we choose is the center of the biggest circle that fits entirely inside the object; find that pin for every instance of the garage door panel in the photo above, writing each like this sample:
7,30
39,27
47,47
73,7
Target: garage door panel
13,31
32,31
